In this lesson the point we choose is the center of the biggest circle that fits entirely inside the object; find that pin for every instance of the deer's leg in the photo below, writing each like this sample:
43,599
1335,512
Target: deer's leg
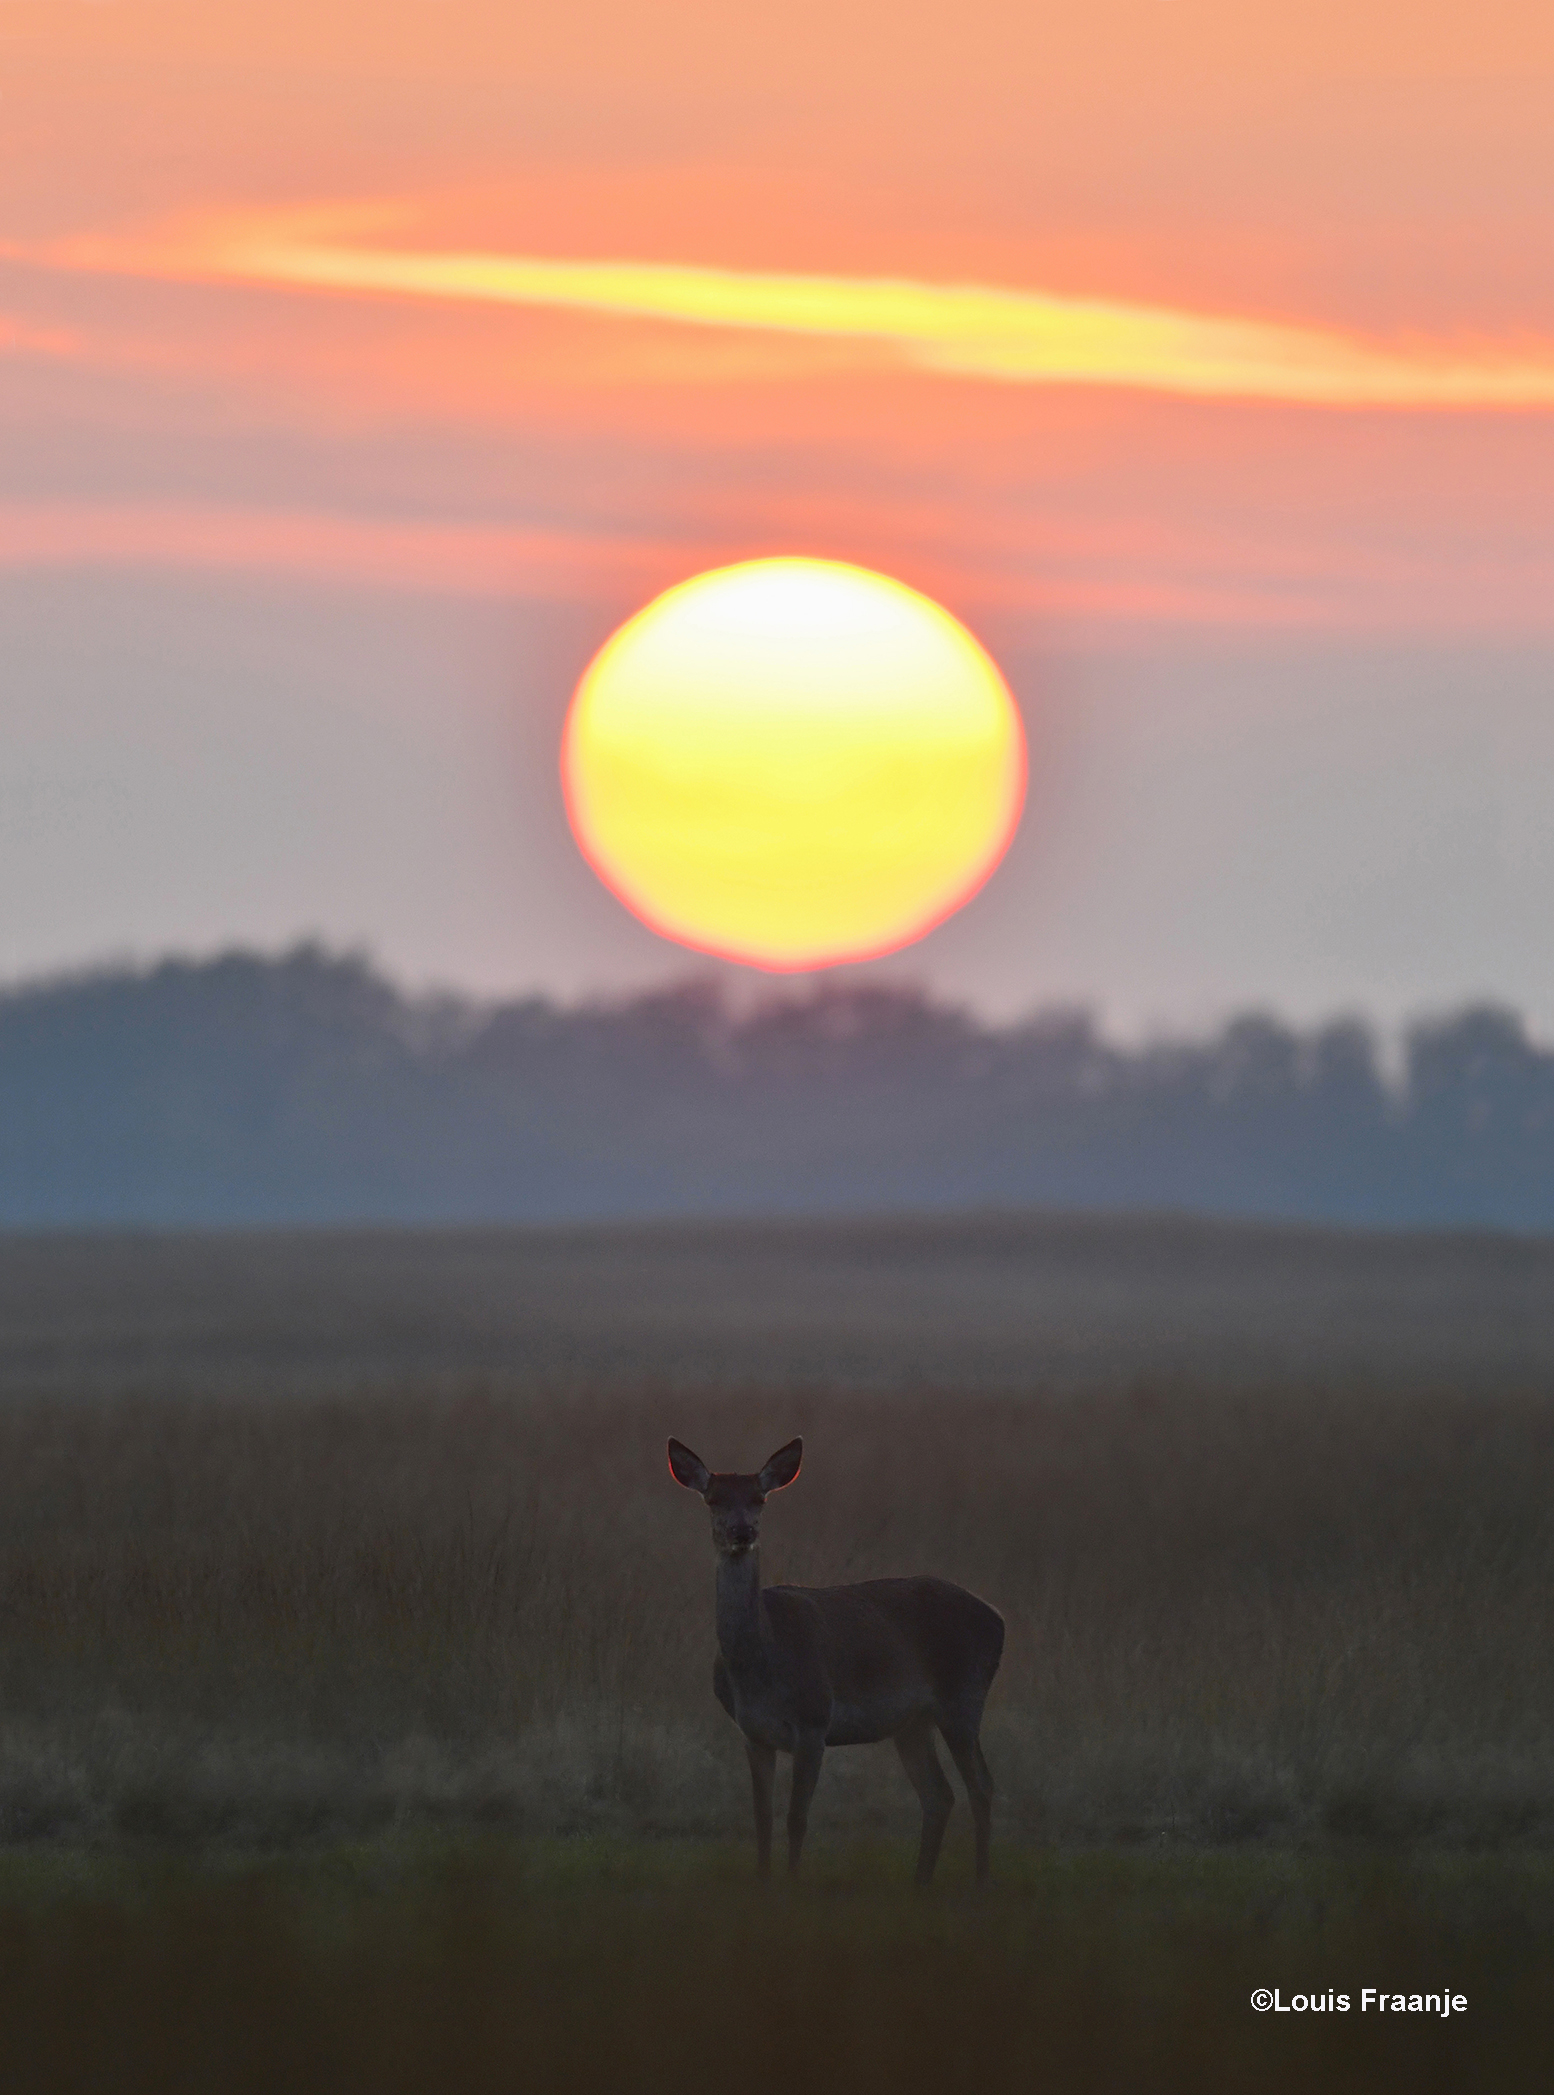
763,1768
915,1745
978,1777
807,1756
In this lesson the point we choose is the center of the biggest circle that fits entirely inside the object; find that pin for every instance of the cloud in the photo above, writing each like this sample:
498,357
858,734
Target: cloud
22,338
446,558
979,331
1079,574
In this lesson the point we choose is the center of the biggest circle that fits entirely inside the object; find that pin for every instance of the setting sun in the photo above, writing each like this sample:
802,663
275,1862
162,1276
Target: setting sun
793,763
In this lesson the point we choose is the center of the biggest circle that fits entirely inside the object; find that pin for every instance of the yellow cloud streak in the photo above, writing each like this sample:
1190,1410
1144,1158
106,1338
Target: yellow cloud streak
966,330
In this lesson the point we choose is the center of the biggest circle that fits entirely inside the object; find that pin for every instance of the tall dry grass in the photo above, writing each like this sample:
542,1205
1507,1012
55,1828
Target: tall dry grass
1233,1612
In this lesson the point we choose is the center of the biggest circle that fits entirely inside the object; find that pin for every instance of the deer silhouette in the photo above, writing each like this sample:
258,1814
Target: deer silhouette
800,1668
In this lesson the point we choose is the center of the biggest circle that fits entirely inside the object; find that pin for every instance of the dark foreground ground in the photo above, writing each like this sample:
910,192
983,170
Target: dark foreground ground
355,1713
485,1967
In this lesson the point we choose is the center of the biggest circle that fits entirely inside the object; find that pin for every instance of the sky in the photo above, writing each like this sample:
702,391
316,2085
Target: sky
361,369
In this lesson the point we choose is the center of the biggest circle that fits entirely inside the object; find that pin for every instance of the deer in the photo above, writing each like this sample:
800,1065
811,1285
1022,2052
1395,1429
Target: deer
801,1668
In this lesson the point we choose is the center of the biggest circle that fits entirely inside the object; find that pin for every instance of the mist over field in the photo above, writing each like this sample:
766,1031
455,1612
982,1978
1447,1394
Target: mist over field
307,1088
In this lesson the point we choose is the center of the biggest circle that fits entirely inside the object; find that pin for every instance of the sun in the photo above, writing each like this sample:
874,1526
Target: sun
793,763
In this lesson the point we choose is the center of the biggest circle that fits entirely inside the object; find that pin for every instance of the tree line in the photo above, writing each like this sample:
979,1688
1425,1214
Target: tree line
307,1088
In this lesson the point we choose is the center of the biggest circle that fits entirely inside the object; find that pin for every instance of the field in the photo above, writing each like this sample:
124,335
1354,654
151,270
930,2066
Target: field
488,1967
357,1647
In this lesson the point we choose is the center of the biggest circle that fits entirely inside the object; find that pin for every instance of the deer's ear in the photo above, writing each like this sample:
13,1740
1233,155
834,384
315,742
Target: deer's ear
783,1467
688,1469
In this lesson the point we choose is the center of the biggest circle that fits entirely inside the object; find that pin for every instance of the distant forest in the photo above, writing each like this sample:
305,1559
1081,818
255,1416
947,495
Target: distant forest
307,1088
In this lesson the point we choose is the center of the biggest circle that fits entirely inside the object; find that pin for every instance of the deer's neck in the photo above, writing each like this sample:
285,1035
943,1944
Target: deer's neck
739,1611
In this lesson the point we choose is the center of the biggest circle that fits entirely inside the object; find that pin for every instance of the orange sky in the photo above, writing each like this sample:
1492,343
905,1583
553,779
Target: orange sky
190,396
1333,175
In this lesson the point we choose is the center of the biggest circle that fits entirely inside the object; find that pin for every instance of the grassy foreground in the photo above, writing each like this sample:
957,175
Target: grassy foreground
494,1965
1272,1613
356,1728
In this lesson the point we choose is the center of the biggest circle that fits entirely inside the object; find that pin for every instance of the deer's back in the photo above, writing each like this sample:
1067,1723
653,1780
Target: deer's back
894,1648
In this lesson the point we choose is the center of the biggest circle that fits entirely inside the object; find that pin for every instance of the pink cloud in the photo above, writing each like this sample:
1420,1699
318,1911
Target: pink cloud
25,338
1087,575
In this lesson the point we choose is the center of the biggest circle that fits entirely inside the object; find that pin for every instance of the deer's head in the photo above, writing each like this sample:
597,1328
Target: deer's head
735,1501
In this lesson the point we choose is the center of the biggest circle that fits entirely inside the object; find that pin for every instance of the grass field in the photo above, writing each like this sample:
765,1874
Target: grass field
355,1653
483,1966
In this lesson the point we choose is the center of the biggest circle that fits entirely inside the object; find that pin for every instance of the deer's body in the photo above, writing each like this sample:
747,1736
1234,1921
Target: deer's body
858,1663
801,1668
